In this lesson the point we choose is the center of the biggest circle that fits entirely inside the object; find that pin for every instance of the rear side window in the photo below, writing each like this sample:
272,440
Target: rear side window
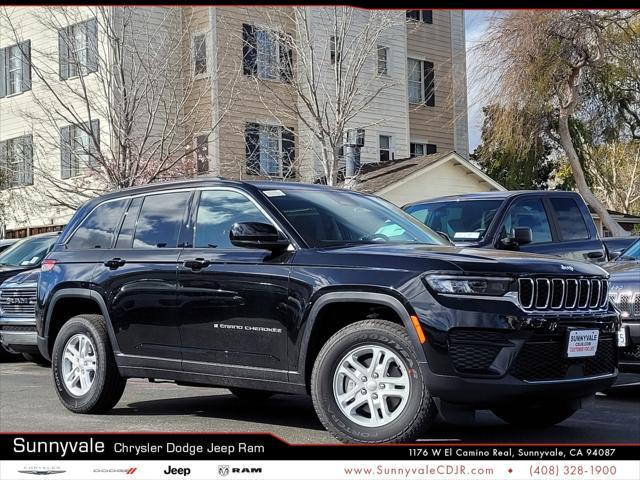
98,228
570,221
160,220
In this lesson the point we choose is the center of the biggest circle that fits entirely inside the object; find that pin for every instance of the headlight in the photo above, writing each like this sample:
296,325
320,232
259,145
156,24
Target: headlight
462,285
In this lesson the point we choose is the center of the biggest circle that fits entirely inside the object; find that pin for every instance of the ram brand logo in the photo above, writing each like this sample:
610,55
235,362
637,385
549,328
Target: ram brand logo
17,300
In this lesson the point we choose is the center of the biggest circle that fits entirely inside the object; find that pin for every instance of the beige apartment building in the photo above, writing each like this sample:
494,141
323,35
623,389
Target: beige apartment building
237,84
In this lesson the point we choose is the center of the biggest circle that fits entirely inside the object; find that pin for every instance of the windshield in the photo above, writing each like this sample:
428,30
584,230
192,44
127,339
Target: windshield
328,217
462,221
28,252
632,253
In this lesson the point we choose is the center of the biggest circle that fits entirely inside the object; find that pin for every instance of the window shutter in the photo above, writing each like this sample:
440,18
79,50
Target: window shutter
3,165
286,58
94,143
429,85
92,43
249,50
252,142
3,72
63,53
288,152
65,152
27,151
427,16
25,50
431,149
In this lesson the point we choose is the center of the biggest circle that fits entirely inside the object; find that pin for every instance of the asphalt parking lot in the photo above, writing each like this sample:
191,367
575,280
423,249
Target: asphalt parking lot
29,403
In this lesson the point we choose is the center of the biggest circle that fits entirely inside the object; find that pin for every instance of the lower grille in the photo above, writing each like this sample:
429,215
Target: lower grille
632,354
18,328
627,302
542,357
18,301
473,351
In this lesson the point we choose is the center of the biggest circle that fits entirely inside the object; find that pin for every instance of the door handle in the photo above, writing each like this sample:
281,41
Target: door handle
197,263
596,254
114,263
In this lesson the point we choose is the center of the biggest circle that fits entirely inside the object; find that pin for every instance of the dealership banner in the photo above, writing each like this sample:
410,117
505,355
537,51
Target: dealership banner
263,456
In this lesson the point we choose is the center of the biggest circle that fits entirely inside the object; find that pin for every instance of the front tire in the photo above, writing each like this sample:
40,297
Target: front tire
85,374
367,386
536,416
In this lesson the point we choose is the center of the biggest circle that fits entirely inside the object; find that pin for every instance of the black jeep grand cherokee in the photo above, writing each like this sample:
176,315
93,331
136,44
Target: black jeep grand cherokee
276,287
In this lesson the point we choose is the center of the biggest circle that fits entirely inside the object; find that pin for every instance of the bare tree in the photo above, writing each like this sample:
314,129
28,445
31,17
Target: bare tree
123,94
327,60
536,62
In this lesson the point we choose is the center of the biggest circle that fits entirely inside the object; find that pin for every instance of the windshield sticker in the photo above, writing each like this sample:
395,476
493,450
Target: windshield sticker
274,193
467,235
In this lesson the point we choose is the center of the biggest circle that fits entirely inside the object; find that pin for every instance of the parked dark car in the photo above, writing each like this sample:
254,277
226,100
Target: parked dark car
6,243
547,222
17,315
274,287
625,295
616,245
25,254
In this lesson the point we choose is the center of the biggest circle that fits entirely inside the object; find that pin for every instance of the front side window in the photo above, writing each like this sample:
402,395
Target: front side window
217,212
385,148
28,251
383,60
160,220
99,227
632,253
270,150
16,161
570,221
326,218
531,214
15,69
466,221
200,54
78,49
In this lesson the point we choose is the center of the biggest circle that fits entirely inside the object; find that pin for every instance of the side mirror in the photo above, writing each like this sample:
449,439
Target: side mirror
522,235
257,235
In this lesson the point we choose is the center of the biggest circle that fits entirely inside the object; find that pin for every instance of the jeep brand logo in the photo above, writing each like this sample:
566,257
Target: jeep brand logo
566,267
177,471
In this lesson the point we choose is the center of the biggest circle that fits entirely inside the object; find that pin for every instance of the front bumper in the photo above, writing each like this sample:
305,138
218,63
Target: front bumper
19,334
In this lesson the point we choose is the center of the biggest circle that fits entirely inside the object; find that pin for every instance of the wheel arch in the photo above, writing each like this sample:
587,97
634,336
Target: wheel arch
74,301
315,319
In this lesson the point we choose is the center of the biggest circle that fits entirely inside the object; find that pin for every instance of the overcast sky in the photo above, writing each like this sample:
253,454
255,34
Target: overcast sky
476,22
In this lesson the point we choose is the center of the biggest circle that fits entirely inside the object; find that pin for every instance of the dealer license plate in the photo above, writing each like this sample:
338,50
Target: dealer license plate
582,343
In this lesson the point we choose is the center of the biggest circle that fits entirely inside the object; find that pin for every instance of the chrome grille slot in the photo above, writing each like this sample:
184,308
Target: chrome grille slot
541,293
18,301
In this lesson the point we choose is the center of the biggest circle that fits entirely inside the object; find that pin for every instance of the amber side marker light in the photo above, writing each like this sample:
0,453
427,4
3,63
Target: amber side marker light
418,329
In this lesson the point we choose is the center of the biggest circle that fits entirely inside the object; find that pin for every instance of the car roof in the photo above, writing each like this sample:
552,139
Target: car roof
495,195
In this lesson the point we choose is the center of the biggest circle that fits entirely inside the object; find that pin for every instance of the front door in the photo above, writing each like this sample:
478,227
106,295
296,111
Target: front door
233,301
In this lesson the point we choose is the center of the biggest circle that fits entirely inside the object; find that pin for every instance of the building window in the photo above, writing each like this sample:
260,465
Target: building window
270,150
385,148
419,149
15,69
16,162
425,16
383,60
266,54
78,49
421,82
202,153
78,148
199,48
332,50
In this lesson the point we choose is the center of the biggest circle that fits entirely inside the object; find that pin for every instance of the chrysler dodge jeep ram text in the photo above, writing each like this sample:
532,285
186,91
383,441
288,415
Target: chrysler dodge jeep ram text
276,287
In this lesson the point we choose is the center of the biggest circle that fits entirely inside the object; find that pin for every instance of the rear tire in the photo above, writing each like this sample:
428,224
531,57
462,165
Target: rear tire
536,416
249,394
371,368
88,382
36,358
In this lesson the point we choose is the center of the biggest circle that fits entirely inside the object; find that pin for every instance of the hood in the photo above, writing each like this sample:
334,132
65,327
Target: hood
456,258
624,273
23,279
8,271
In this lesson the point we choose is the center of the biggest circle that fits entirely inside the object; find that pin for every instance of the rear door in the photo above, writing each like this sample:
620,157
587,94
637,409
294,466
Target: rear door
138,278
575,239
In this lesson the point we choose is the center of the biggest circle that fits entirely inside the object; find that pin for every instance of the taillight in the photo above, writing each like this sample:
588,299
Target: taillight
47,264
